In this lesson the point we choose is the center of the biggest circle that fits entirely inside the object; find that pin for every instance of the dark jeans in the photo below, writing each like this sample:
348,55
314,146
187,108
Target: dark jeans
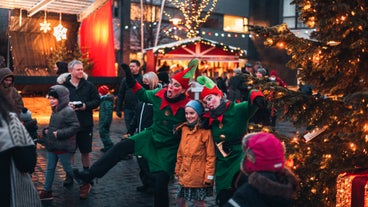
117,153
144,173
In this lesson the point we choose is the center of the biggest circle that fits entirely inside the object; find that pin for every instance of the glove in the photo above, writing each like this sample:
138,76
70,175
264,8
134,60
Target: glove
260,102
118,113
130,81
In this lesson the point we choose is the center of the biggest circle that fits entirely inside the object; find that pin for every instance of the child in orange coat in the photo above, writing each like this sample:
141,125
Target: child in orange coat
195,166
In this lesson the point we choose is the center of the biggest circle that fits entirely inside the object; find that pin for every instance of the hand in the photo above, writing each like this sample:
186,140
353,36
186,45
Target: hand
260,102
207,184
130,81
118,113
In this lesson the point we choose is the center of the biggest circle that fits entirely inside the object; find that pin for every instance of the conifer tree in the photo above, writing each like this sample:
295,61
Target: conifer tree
334,61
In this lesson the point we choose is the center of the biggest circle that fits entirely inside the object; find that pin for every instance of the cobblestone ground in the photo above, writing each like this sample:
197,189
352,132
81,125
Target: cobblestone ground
116,188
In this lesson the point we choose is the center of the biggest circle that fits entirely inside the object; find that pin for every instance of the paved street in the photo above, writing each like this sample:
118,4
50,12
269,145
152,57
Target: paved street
116,188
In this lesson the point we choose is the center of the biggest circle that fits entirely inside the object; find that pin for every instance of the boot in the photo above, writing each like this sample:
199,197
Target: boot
68,180
106,162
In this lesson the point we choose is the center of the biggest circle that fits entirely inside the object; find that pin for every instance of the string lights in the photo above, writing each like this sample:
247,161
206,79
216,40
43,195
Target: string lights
192,13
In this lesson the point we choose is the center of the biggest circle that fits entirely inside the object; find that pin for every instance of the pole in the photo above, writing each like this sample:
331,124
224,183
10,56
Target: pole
142,29
159,22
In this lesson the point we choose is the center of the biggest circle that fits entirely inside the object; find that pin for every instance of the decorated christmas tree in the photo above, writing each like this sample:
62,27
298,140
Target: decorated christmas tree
333,61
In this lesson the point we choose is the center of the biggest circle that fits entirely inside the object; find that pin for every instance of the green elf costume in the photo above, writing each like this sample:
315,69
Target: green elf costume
157,143
228,123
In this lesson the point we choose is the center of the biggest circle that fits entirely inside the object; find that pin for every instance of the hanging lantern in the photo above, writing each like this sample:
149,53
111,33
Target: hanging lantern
60,31
45,26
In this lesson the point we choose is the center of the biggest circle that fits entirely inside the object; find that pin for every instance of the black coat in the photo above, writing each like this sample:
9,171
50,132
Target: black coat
87,93
126,98
265,189
142,118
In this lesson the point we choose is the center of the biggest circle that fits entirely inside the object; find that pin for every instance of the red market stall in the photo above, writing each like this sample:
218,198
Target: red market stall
215,57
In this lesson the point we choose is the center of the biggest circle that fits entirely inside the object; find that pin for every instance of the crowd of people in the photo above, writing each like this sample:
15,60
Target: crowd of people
172,135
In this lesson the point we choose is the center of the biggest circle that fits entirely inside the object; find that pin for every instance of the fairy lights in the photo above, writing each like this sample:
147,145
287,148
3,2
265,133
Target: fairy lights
192,10
60,31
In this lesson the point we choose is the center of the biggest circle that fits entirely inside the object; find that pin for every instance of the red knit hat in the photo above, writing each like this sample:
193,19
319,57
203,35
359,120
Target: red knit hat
263,152
103,90
185,76
209,87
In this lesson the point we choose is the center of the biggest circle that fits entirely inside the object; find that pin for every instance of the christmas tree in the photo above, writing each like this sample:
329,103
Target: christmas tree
333,61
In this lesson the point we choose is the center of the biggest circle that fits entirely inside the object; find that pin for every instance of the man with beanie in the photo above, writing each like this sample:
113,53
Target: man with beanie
157,143
127,101
9,91
268,182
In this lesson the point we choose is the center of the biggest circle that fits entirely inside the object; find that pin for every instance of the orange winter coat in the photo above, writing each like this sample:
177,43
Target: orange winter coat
196,158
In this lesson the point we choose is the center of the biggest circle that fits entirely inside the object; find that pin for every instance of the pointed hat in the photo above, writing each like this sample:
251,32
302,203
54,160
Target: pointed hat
185,76
209,87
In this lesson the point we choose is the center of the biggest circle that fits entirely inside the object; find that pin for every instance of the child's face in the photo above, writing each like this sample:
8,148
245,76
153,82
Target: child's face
53,101
191,115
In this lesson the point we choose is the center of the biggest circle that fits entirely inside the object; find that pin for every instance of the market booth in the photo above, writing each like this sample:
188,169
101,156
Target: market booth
42,32
214,57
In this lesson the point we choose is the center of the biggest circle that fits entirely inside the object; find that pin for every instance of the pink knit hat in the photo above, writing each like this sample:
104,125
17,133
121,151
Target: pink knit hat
263,152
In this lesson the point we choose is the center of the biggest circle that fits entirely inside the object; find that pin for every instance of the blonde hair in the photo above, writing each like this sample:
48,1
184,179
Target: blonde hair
152,79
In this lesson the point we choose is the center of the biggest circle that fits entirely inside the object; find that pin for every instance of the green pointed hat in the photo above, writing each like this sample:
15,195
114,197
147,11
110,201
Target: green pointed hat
185,76
209,87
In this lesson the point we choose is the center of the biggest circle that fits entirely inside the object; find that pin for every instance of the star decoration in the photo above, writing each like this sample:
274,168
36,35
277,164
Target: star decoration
45,26
60,32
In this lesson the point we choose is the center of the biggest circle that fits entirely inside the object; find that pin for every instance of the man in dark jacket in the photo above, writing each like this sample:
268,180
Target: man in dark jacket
84,98
127,100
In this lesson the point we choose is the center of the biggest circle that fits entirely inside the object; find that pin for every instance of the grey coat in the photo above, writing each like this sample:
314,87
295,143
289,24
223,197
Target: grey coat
63,120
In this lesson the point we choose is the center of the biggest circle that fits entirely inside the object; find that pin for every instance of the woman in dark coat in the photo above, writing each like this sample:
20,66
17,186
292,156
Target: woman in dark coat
21,151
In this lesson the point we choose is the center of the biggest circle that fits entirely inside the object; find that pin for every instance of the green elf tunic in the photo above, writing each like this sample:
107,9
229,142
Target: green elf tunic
157,143
230,127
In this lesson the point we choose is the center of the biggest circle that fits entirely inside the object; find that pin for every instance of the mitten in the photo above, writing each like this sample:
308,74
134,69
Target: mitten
260,102
130,81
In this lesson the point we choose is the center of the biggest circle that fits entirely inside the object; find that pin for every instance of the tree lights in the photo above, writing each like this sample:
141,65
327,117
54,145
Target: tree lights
192,11
334,62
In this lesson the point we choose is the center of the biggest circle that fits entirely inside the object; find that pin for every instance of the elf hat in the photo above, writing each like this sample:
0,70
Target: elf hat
185,76
263,152
209,87
196,105
103,90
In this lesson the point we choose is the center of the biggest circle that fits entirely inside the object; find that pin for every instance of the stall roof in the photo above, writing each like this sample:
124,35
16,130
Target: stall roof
197,47
81,8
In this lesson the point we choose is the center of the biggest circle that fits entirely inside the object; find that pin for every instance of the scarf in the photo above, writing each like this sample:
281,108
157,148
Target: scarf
15,135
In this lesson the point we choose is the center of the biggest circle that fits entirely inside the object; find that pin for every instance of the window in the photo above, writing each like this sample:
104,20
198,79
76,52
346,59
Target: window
290,16
235,24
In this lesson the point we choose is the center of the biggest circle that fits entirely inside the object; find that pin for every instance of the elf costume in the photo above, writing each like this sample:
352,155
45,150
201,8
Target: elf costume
228,123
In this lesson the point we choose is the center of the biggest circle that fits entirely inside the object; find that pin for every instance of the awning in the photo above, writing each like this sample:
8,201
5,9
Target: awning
81,8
